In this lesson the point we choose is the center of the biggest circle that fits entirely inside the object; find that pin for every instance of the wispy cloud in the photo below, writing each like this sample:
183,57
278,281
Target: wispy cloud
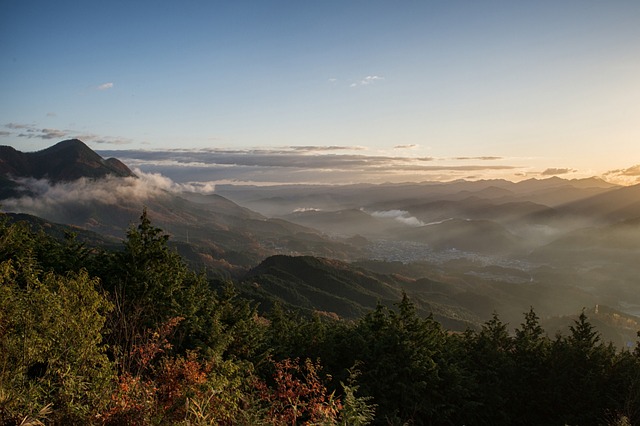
294,166
630,171
368,80
320,148
105,86
112,140
554,171
410,146
52,134
483,158
628,176
16,126
30,131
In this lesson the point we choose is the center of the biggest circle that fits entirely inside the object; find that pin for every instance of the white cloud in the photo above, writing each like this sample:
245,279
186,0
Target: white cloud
368,80
401,216
306,209
52,201
105,86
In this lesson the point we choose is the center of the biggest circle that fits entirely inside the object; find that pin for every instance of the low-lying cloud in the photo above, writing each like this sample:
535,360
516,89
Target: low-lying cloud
52,200
401,216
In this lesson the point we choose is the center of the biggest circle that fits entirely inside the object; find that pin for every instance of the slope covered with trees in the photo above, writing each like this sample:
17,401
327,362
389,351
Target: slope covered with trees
133,336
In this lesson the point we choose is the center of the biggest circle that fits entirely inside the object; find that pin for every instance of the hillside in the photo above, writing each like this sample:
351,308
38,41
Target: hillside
212,231
318,284
177,340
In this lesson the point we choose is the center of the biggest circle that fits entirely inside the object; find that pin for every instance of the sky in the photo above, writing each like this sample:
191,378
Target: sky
329,91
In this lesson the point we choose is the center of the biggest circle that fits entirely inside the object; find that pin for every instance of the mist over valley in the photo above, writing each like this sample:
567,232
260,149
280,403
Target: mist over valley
491,245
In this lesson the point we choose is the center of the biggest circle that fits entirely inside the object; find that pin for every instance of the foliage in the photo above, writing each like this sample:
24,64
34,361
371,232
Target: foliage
135,337
149,284
51,332
356,410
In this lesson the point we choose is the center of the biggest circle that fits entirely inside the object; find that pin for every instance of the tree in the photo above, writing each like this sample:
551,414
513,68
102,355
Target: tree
528,390
149,283
398,352
489,360
580,365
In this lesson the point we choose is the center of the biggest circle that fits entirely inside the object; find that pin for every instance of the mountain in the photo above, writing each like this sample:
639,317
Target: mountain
65,161
286,199
614,205
336,288
210,230
464,249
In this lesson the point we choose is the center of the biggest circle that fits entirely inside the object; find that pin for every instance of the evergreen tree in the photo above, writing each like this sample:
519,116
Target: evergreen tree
528,402
149,284
398,352
489,359
579,366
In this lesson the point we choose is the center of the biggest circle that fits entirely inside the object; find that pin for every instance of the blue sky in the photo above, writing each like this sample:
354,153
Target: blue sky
473,88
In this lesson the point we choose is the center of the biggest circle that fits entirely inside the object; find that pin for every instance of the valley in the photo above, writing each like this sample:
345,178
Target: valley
490,245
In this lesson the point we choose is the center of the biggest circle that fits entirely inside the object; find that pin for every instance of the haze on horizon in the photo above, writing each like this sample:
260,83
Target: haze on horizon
335,92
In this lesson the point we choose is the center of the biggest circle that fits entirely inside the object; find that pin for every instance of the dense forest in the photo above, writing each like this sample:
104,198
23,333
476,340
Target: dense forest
93,335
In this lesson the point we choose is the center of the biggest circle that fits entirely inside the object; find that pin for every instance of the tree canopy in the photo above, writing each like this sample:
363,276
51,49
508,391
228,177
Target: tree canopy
133,336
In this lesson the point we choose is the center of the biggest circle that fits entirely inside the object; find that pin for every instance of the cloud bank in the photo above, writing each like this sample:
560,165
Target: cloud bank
52,201
298,164
628,176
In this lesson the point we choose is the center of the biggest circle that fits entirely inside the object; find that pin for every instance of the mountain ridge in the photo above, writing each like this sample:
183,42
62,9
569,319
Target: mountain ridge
65,161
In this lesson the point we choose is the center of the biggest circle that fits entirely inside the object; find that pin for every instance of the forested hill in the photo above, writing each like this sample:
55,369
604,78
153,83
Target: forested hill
132,336
323,285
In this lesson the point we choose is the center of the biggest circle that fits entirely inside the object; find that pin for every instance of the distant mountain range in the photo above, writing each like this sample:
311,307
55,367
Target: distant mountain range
213,227
461,249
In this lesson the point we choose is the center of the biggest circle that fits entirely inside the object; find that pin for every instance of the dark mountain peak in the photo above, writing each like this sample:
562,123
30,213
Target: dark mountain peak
68,144
65,161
